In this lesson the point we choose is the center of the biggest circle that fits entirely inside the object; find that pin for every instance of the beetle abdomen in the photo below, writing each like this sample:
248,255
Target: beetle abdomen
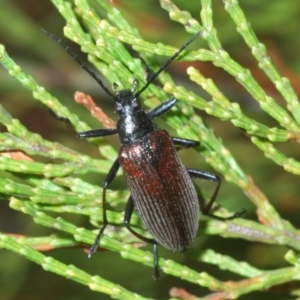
162,190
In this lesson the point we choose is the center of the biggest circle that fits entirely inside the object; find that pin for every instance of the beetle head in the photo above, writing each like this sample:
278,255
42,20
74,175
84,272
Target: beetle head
126,101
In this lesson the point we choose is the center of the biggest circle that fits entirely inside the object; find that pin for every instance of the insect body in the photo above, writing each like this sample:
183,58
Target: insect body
161,187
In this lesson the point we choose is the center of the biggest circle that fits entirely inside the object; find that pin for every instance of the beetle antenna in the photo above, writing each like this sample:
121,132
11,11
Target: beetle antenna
76,58
164,66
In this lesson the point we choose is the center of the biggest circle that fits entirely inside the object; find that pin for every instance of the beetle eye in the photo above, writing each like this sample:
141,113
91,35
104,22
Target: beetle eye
118,107
135,103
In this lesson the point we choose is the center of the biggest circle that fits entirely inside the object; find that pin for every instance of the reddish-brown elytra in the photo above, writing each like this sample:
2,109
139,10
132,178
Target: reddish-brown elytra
161,187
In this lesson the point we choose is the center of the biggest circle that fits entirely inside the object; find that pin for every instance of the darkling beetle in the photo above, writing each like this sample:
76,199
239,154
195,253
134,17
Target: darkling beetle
161,187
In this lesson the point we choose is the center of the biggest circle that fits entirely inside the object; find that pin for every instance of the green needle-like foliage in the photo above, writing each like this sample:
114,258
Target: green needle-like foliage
51,183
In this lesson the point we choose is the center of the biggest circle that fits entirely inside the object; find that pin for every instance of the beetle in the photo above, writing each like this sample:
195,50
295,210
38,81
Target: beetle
161,187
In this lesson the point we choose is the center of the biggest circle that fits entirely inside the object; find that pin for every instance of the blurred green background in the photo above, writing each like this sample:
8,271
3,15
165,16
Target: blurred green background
276,24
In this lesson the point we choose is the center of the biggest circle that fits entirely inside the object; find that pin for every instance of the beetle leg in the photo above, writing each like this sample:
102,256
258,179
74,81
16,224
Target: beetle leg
62,119
212,177
85,134
109,178
156,268
97,132
184,143
161,109
127,217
